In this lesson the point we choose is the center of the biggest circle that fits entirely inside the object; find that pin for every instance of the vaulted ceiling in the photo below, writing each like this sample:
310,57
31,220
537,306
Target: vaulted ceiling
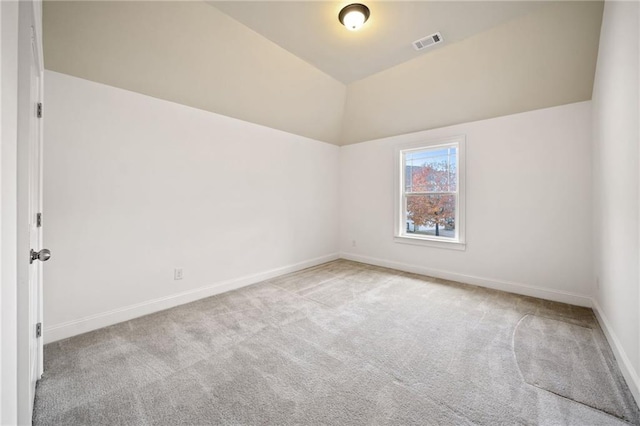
291,65
311,30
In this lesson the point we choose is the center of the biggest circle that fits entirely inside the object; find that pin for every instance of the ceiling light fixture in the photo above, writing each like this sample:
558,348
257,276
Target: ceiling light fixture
354,16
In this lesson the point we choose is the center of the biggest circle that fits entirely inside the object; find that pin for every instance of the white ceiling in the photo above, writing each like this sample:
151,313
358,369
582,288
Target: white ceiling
311,31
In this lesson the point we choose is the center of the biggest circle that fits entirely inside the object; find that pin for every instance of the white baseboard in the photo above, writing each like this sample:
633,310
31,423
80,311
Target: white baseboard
104,319
94,322
629,373
511,287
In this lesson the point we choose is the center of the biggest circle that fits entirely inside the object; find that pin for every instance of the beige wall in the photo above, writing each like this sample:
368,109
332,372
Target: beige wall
192,54
541,60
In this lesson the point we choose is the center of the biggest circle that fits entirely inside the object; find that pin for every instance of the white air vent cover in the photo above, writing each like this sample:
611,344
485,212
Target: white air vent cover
425,42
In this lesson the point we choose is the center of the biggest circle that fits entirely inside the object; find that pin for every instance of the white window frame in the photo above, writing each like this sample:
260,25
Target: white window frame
399,232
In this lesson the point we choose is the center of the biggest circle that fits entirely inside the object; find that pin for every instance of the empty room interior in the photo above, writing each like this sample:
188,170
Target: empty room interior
317,212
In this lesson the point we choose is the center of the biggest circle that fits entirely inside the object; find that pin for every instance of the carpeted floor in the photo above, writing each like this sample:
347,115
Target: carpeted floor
342,344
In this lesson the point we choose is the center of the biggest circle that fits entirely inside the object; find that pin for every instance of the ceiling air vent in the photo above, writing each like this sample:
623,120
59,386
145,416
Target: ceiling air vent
428,41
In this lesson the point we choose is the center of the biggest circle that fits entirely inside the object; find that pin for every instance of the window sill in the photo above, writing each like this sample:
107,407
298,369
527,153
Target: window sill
429,242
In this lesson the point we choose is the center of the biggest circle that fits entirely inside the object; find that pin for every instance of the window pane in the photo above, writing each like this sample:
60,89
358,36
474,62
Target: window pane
433,215
431,170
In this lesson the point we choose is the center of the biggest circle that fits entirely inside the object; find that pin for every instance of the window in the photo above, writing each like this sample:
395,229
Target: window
430,201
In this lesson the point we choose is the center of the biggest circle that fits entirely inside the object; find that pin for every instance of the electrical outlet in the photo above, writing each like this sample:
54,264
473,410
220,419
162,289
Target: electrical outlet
177,274
353,243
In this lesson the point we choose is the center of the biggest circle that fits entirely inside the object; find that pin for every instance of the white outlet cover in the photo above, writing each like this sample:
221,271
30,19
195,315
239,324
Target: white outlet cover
177,274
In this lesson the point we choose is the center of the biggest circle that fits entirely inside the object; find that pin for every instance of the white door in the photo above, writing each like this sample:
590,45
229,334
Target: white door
35,216
31,253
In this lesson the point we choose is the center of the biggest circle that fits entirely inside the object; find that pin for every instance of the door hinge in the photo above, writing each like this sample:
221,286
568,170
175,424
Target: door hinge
39,109
39,330
39,220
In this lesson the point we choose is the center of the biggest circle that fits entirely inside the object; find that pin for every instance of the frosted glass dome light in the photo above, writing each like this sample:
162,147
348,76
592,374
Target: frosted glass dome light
353,20
354,16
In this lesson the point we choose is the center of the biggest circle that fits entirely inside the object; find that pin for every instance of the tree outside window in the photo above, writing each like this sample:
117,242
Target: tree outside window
430,194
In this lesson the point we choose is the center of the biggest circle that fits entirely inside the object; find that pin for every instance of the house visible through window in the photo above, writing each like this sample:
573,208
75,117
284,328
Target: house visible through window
431,206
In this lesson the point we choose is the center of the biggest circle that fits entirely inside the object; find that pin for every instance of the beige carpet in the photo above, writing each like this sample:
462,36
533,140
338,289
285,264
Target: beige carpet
342,343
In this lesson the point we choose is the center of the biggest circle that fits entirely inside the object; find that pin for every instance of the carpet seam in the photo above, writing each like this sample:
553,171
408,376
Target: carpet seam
580,403
547,390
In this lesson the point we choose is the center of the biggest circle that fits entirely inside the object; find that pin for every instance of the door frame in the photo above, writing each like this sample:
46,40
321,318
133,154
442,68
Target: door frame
8,212
17,19
29,35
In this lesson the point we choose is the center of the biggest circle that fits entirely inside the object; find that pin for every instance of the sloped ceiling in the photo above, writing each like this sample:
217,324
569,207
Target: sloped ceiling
191,53
543,59
293,67
311,30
